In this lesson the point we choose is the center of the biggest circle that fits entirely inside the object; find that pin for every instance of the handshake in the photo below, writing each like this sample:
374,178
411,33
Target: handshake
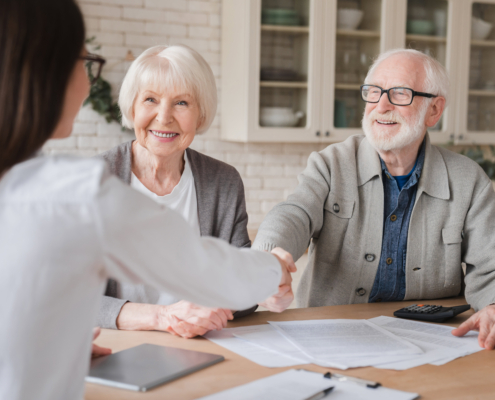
281,300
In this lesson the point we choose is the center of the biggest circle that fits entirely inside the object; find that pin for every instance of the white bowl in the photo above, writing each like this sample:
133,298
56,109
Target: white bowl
480,29
349,18
279,116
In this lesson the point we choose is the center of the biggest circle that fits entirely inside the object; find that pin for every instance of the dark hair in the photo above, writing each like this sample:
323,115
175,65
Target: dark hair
40,43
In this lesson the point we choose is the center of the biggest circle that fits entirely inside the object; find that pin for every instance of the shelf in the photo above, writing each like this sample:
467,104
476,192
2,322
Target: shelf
285,28
348,86
358,33
483,43
482,92
281,84
426,38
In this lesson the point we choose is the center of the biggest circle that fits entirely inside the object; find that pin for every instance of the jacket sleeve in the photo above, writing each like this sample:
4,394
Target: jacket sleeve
141,239
478,247
109,311
292,223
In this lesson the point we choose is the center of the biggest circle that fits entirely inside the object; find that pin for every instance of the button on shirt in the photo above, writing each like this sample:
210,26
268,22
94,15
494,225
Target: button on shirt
399,196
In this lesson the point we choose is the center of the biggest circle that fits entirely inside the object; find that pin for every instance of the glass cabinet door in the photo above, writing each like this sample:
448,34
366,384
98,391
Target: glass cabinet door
481,103
283,99
426,31
357,44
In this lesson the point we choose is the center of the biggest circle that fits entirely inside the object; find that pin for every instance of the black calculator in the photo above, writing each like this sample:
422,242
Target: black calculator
428,312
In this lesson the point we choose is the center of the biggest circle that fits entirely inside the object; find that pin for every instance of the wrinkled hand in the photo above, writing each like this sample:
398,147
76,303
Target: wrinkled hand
188,320
484,322
97,351
281,300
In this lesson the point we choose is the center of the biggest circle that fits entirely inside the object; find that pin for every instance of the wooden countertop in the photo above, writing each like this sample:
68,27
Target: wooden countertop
469,377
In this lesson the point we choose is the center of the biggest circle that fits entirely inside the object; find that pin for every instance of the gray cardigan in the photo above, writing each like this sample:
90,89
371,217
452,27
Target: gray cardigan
338,207
221,211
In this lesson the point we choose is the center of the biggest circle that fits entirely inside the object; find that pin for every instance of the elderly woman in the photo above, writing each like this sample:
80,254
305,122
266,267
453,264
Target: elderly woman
168,96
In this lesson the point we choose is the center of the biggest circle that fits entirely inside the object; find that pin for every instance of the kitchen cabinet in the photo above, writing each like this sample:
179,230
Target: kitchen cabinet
291,69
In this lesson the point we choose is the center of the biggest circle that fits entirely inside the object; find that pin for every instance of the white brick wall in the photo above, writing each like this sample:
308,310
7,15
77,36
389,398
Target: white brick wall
268,170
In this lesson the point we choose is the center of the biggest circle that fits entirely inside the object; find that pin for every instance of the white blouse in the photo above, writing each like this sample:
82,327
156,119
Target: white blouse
66,226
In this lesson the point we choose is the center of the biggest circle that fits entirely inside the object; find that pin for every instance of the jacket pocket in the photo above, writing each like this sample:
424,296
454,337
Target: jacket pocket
452,235
337,216
339,207
452,239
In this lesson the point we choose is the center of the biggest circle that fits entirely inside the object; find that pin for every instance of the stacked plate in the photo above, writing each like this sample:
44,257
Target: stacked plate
278,74
279,16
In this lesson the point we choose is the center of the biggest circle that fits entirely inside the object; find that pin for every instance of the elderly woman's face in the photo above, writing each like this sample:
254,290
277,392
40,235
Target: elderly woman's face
165,122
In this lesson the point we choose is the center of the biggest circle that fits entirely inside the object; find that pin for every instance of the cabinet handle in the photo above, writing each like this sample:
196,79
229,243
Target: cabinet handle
317,133
327,133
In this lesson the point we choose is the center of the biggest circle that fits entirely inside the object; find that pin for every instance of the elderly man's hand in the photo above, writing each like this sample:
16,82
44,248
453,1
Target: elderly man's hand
97,351
484,322
188,320
281,300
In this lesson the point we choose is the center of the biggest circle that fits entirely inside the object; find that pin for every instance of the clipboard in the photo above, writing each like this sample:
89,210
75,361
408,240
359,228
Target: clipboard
299,384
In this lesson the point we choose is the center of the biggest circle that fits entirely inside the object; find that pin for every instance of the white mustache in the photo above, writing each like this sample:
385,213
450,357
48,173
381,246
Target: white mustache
389,116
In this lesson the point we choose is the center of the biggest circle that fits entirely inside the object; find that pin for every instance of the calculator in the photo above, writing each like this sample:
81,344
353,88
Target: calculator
428,312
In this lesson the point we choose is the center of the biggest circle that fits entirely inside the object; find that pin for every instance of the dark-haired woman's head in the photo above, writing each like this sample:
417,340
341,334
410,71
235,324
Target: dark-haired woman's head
41,42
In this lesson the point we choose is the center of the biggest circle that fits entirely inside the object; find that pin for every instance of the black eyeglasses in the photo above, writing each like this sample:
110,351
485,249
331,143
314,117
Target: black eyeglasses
398,96
94,64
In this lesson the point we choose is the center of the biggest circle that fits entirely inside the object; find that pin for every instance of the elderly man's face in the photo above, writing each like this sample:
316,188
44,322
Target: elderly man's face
390,127
165,122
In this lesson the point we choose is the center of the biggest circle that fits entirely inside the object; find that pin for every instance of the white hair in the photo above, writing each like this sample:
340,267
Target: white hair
436,80
177,68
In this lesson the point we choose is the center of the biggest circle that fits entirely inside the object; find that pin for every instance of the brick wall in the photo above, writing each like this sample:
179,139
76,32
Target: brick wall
269,170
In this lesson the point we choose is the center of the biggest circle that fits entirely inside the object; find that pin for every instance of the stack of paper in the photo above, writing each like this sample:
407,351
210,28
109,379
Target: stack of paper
381,342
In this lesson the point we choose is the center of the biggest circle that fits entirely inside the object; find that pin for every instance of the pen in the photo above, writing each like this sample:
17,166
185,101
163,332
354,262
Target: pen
343,378
320,395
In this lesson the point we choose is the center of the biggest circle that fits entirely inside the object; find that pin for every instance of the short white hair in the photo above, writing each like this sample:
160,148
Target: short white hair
177,68
436,79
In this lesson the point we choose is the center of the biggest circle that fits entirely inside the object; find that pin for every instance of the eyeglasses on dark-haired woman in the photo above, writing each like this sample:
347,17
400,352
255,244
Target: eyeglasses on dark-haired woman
94,65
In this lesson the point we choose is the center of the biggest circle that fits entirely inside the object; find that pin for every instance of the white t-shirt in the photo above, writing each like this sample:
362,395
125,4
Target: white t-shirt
182,200
66,226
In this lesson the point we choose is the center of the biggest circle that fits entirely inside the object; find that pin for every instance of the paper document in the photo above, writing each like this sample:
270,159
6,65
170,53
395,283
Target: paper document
328,340
267,337
300,384
259,355
437,341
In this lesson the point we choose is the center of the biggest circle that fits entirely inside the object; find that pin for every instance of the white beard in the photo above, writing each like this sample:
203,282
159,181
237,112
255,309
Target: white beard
409,132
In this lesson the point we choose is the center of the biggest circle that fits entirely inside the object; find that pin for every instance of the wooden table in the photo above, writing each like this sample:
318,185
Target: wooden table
470,377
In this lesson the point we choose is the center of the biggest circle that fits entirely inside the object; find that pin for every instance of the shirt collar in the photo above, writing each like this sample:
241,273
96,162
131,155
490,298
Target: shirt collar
415,173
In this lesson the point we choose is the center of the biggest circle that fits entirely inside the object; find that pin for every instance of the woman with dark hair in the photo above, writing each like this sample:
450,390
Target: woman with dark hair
67,225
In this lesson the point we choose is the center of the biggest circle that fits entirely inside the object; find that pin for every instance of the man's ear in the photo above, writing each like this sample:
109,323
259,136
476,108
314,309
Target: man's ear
435,111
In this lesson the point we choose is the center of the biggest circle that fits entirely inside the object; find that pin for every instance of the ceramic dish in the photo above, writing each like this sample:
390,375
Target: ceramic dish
276,16
349,18
420,26
278,74
480,29
279,116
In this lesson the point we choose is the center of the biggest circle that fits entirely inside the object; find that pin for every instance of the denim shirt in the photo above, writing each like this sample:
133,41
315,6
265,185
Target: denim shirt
390,280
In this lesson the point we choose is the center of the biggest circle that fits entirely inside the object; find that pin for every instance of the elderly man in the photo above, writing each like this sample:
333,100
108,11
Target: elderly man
389,216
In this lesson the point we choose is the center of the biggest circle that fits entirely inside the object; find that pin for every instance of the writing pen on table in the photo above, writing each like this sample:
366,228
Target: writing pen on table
320,395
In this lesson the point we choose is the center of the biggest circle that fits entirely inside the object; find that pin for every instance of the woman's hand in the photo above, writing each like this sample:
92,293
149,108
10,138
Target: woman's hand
183,318
96,350
188,320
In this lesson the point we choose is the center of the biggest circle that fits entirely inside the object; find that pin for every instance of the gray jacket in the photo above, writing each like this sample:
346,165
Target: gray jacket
221,211
338,209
